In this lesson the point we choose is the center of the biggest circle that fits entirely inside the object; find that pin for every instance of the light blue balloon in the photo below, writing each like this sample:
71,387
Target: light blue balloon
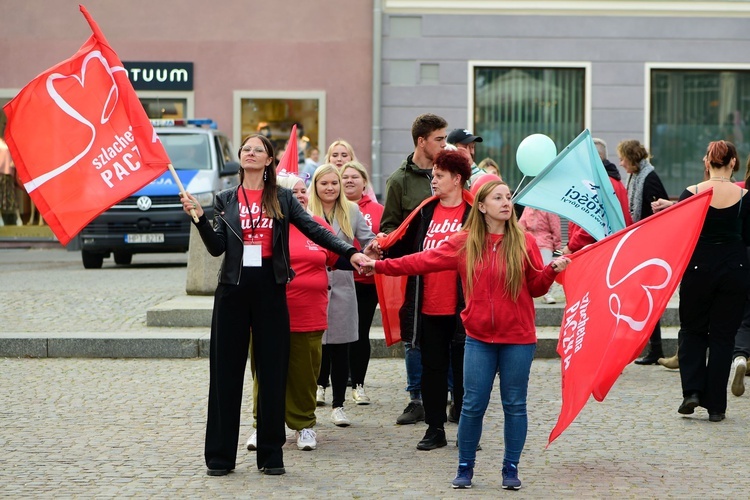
534,153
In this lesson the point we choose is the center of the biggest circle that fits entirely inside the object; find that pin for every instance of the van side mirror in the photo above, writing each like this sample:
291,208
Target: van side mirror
230,168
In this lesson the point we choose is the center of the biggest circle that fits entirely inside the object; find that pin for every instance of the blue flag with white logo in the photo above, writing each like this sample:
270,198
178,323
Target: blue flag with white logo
575,185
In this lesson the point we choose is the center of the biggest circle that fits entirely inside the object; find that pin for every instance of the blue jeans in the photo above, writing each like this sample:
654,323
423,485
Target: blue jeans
481,362
413,360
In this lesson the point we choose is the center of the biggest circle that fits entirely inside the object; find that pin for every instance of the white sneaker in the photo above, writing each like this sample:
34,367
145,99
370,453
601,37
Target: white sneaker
306,440
320,396
252,443
359,396
549,299
739,367
338,417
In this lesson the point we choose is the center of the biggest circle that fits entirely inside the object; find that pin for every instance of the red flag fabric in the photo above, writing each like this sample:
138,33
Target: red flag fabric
616,290
289,163
80,138
391,288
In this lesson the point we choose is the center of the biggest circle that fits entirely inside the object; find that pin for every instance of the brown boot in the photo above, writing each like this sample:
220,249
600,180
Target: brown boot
672,363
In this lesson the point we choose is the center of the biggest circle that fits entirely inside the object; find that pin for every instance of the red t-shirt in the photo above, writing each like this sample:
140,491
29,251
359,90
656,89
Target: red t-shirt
440,294
257,228
307,294
372,212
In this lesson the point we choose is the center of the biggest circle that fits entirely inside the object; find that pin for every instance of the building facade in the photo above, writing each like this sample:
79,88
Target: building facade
672,74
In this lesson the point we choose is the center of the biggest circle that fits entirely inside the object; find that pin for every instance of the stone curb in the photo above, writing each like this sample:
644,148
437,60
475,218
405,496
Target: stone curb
194,342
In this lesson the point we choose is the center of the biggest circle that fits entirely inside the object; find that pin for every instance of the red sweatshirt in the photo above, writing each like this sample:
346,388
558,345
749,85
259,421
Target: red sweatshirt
373,212
490,315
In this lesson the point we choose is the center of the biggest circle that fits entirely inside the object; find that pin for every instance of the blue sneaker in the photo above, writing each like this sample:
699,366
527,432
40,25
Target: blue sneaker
463,476
510,477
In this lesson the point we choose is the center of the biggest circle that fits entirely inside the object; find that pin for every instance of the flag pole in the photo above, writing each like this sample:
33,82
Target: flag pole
182,190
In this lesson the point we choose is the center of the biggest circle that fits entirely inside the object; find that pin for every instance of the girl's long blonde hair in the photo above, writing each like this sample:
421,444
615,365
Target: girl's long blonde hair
342,207
512,251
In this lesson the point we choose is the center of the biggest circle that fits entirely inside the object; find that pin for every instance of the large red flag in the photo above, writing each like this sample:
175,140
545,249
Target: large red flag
80,138
616,290
289,163
391,288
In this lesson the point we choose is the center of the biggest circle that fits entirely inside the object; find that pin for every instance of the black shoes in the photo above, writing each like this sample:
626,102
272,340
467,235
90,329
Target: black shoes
652,358
716,417
433,438
689,404
413,413
218,472
274,471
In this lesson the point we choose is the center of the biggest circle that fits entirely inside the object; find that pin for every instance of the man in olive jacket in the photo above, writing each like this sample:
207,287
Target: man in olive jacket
405,189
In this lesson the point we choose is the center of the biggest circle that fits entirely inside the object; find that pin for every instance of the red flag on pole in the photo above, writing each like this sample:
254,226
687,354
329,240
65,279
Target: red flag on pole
616,290
289,163
80,138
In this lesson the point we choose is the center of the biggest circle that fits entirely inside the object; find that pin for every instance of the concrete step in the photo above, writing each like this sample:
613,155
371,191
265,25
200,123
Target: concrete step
170,342
195,310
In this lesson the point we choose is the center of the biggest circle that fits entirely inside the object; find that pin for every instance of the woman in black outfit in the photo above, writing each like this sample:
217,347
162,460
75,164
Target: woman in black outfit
714,287
251,229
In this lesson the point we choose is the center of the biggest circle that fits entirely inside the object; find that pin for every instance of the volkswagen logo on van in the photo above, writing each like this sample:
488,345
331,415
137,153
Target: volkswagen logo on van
143,203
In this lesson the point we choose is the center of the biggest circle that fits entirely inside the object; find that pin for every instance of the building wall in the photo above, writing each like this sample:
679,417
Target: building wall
234,45
617,44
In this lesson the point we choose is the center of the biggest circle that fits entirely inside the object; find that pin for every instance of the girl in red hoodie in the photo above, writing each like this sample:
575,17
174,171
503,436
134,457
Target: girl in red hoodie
501,271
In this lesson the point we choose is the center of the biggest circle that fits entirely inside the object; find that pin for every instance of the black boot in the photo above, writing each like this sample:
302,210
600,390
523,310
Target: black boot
652,358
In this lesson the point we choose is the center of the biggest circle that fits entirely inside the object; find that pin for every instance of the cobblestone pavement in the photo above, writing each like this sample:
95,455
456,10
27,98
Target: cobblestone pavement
134,428
48,290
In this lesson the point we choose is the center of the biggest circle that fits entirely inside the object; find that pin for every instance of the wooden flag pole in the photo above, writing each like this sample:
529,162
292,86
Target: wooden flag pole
182,191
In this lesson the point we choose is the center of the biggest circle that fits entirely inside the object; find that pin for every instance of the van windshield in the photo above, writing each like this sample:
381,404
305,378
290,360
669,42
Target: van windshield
187,151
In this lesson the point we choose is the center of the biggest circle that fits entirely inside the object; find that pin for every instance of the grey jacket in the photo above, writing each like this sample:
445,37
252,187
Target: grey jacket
343,318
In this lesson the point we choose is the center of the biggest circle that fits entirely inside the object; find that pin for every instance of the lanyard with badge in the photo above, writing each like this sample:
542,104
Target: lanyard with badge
252,254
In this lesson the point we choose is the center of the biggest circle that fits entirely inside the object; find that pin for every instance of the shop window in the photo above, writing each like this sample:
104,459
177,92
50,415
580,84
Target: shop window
511,103
273,115
690,108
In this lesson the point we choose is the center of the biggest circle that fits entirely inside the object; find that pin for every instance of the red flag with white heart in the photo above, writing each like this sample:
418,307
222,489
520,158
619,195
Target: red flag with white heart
615,292
80,138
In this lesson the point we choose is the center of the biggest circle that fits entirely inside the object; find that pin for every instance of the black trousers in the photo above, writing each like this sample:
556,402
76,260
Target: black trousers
359,351
257,303
439,354
742,340
712,298
335,364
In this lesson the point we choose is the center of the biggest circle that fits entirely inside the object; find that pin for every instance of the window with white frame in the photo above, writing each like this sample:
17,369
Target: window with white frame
690,108
512,102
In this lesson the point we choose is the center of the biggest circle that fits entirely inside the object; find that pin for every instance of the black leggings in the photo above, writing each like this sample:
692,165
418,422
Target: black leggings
335,363
359,351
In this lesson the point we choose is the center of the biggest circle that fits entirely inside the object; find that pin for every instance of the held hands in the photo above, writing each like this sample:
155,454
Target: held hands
358,260
373,250
190,203
559,264
661,204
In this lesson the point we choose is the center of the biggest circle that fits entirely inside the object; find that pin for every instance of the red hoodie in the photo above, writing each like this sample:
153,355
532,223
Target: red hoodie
490,315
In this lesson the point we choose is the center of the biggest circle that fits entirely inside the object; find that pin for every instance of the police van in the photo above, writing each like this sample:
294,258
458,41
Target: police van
151,220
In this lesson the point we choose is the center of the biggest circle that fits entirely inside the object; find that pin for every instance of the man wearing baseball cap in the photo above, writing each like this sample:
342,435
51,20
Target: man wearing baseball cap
463,139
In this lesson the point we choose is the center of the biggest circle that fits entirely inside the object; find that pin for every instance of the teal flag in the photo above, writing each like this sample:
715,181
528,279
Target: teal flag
575,185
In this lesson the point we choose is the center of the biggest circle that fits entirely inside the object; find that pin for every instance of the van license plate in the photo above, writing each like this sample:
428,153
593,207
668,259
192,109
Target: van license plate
145,238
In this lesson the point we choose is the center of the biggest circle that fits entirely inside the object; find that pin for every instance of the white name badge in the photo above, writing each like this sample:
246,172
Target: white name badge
252,256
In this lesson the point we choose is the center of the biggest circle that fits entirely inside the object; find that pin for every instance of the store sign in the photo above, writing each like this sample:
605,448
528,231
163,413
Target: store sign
160,75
